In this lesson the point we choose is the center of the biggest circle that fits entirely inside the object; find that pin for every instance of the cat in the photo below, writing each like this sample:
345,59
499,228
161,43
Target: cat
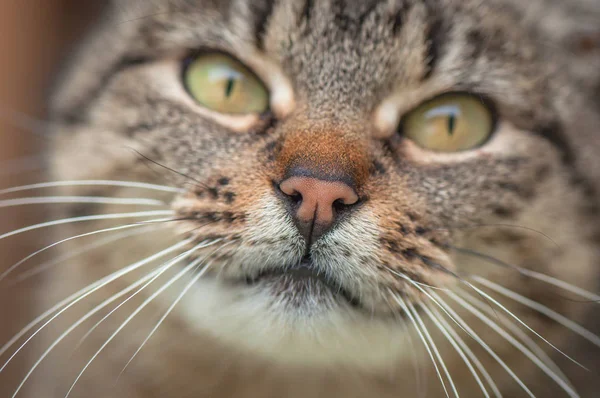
323,198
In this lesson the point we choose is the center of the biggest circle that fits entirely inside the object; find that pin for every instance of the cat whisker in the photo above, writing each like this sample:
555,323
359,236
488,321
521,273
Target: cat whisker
469,353
569,324
76,297
456,347
90,183
146,280
162,269
149,223
533,274
401,275
434,347
406,310
415,363
114,216
199,183
506,310
418,286
23,275
440,267
485,346
81,200
498,225
514,329
169,310
10,269
161,320
168,284
541,365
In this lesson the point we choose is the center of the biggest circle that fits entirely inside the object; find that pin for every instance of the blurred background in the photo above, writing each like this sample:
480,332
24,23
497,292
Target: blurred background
36,37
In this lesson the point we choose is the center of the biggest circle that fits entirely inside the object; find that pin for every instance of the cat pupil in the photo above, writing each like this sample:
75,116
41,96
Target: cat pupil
229,87
451,124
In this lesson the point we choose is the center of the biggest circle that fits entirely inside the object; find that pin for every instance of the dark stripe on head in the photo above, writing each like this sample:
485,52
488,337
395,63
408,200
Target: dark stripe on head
262,15
367,12
343,19
350,15
476,41
307,10
554,133
397,19
435,38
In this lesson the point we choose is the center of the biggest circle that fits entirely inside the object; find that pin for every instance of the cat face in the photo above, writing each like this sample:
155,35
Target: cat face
339,166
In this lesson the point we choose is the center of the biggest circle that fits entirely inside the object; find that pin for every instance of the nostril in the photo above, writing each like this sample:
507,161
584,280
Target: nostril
296,197
340,205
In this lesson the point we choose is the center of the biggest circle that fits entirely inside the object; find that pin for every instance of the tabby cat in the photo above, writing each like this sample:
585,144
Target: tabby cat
321,198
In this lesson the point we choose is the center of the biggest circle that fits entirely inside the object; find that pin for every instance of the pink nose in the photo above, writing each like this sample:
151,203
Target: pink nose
318,198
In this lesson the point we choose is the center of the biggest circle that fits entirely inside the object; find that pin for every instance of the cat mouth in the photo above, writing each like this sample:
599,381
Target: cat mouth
302,282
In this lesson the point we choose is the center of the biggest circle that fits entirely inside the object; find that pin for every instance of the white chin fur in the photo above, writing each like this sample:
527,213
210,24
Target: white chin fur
251,319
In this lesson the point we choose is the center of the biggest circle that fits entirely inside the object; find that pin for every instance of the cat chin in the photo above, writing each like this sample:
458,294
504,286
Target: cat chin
251,319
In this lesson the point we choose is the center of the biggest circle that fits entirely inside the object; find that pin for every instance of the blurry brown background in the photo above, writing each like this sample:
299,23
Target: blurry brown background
35,38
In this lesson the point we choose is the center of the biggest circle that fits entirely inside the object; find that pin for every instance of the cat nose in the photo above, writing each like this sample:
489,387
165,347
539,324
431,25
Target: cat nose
316,203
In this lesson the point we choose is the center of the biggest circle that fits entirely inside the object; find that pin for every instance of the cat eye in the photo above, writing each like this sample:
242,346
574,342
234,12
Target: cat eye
221,83
450,123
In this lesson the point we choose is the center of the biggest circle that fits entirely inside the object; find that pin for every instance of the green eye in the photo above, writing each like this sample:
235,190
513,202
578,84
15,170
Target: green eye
222,84
450,123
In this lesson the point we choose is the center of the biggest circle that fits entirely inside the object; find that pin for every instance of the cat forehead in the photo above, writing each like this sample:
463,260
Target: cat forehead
349,53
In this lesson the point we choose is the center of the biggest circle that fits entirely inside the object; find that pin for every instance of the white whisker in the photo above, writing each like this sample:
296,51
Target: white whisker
561,284
485,346
479,315
415,363
146,281
179,275
422,290
165,315
456,347
170,309
78,296
177,259
16,265
514,329
536,275
433,346
109,183
421,336
83,249
413,282
80,199
116,216
470,354
566,322
506,310
87,316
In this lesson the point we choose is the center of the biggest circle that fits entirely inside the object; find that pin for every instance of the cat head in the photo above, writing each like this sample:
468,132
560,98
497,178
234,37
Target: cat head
338,164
